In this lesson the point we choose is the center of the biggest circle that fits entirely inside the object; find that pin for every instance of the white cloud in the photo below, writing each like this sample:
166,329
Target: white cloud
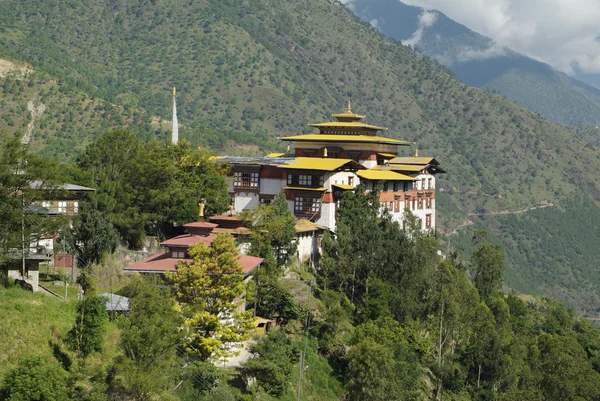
562,33
375,23
426,19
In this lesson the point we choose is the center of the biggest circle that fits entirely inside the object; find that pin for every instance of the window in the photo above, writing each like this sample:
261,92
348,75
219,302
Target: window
46,204
428,221
414,204
351,180
266,199
178,254
428,203
420,203
307,205
405,188
75,207
62,206
430,184
333,153
385,186
245,179
304,179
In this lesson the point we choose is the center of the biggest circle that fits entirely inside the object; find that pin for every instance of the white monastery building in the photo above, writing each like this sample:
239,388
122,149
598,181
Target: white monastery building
342,155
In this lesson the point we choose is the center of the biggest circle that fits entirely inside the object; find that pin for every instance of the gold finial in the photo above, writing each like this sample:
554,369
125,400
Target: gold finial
287,149
201,209
349,109
174,91
416,151
231,210
324,152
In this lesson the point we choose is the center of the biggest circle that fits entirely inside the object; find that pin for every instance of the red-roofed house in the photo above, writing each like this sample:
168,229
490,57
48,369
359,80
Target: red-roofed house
177,249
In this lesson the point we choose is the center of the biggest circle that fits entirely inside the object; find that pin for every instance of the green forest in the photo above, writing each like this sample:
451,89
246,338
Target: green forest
381,316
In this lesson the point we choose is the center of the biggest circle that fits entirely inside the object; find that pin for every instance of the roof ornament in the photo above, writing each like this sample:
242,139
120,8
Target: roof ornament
201,209
287,150
349,109
324,152
416,150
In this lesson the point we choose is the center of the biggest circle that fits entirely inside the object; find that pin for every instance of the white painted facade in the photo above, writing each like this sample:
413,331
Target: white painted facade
308,245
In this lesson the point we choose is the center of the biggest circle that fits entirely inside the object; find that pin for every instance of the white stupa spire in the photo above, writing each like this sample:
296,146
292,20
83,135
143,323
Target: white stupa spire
175,133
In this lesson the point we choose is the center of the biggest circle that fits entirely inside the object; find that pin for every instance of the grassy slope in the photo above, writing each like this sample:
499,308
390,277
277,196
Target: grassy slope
255,70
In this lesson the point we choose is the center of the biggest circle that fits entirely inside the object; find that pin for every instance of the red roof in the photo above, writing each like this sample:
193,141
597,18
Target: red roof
163,262
187,240
200,224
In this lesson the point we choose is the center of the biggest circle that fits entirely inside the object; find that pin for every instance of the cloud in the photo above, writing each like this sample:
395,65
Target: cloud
375,23
469,53
426,19
562,33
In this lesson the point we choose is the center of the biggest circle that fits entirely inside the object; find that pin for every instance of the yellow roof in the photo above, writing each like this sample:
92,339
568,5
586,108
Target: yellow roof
348,113
406,167
387,154
345,138
318,189
386,175
276,154
347,124
343,186
320,163
412,160
306,226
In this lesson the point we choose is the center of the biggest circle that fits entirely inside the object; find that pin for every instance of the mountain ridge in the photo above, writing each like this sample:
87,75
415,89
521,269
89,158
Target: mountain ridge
249,72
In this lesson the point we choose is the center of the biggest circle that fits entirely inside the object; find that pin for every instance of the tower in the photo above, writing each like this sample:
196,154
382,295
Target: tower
175,133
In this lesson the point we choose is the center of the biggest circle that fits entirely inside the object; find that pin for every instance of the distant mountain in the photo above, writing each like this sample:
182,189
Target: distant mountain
249,71
476,61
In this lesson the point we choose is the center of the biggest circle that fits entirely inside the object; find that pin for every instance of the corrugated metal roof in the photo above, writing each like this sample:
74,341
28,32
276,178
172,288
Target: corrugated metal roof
345,138
116,303
253,160
386,175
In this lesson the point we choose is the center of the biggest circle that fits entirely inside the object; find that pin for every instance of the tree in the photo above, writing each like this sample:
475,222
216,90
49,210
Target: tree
24,179
372,373
151,188
566,373
87,335
35,379
275,356
207,290
150,336
488,266
274,230
93,236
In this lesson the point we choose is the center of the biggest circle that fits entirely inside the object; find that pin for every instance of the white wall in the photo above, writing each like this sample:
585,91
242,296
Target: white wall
341,177
307,246
245,200
271,186
327,218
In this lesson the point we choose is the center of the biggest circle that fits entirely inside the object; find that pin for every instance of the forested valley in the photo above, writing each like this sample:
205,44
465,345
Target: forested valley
382,316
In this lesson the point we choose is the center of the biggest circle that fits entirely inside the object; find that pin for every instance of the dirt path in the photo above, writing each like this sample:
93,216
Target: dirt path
504,212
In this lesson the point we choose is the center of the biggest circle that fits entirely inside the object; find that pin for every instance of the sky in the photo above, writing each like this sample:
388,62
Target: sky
562,33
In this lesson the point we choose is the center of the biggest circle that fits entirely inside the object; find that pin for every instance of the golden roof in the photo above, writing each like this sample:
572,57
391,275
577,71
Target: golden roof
386,175
320,163
275,155
348,114
403,167
343,186
318,189
306,226
423,160
347,124
345,138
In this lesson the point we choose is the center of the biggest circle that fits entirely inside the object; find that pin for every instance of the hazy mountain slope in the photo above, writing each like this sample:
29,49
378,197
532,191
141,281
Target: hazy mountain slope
475,61
255,70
